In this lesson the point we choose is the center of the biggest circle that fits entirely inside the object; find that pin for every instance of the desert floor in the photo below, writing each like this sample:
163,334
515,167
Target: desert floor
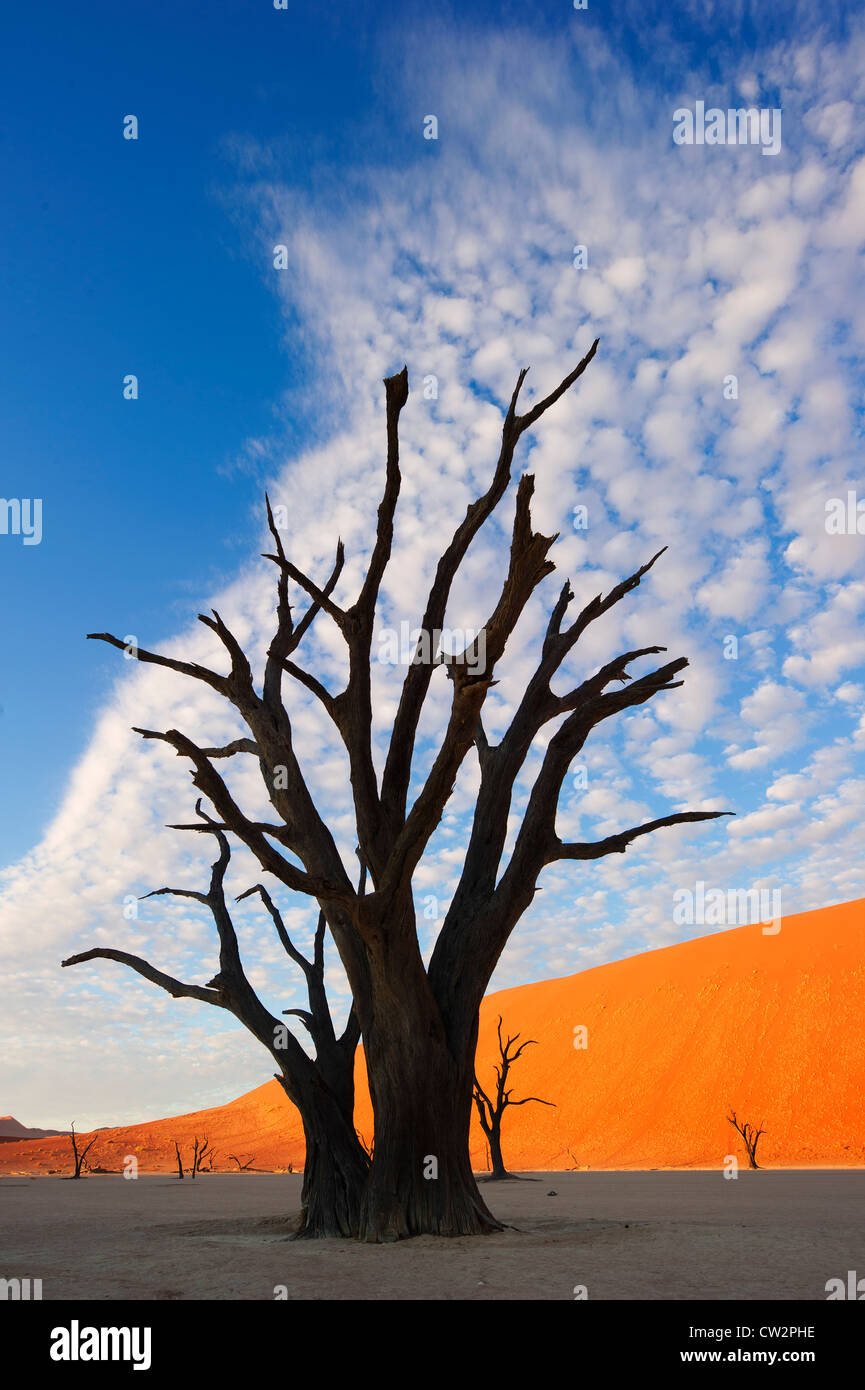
632,1235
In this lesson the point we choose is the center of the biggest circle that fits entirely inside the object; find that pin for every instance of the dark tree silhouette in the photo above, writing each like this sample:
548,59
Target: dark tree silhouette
200,1152
80,1157
491,1111
180,1173
419,1023
750,1135
322,1088
244,1167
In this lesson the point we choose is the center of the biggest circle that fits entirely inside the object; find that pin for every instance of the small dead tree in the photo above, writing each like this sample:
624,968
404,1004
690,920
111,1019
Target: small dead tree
200,1152
80,1157
750,1135
243,1167
179,1159
321,1087
491,1112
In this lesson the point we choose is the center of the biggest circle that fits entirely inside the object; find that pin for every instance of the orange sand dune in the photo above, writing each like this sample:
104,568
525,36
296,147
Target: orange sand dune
770,1025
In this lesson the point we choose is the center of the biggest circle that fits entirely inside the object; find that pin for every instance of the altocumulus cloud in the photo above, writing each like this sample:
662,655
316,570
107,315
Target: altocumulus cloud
702,265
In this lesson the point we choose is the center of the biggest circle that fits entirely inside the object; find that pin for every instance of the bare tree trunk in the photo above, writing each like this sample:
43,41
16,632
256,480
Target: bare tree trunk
335,1172
335,1168
494,1139
421,1180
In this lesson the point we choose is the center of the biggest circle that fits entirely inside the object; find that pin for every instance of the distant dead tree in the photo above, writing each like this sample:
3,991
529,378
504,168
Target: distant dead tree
179,1159
490,1112
750,1135
419,1017
241,1167
322,1087
80,1157
200,1152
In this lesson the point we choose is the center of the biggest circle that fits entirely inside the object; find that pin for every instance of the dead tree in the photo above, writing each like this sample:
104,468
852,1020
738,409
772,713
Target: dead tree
80,1157
200,1152
179,1159
244,1167
750,1136
420,1023
491,1111
322,1088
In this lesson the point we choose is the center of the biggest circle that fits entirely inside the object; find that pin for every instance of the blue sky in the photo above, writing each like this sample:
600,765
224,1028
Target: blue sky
154,256
118,259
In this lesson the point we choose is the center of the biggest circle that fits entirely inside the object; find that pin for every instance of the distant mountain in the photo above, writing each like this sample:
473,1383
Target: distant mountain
643,1058
10,1128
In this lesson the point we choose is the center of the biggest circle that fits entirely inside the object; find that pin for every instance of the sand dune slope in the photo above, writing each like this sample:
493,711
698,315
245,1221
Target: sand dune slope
770,1025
